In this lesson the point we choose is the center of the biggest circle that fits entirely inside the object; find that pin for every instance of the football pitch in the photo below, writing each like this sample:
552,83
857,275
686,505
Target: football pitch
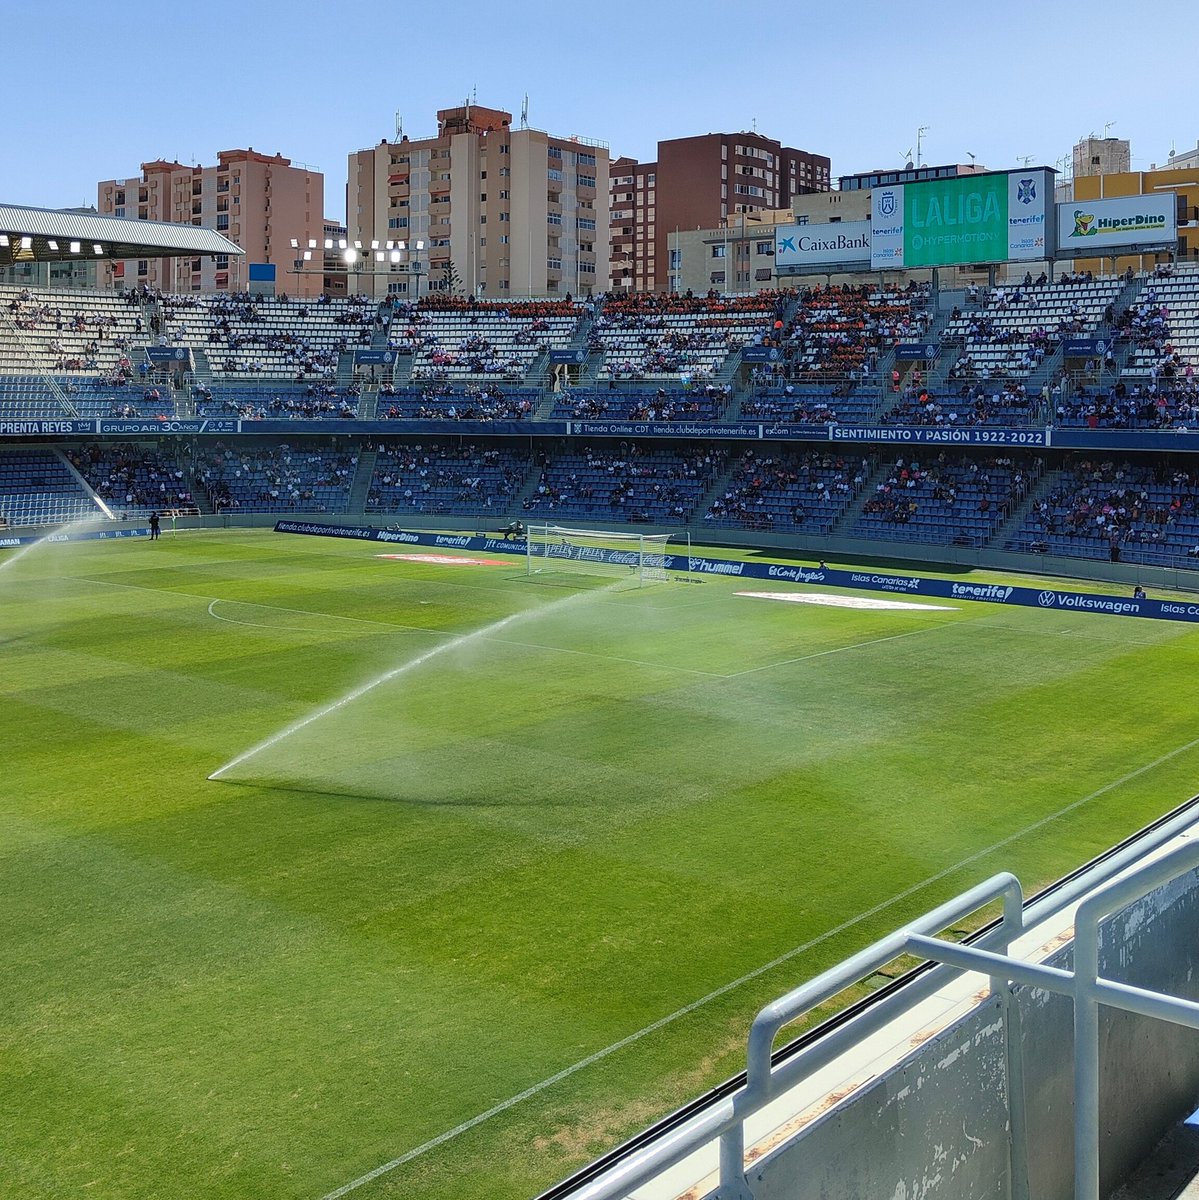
329,873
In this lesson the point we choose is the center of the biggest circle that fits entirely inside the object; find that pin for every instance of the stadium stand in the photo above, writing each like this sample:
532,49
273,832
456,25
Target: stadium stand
132,478
789,491
456,340
431,477
663,338
248,337
1102,509
470,402
276,477
37,487
943,500
630,484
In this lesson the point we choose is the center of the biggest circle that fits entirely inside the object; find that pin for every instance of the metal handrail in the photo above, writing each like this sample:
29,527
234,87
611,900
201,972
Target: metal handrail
765,1080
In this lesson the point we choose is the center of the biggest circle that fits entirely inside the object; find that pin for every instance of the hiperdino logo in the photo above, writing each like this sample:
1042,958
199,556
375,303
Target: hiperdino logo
1086,224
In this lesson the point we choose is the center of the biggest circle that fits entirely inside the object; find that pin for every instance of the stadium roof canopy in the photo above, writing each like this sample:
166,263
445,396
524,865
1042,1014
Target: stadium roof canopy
54,235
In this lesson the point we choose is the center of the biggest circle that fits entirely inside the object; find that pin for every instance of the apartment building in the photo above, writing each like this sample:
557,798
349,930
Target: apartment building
698,183
259,201
479,208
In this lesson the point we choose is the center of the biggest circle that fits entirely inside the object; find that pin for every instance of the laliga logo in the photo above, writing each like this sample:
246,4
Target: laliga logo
1046,599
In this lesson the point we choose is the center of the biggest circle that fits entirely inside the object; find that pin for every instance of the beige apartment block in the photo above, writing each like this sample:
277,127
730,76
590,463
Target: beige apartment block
259,201
479,209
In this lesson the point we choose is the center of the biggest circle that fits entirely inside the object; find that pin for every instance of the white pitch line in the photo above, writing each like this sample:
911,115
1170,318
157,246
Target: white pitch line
786,662
635,662
591,1059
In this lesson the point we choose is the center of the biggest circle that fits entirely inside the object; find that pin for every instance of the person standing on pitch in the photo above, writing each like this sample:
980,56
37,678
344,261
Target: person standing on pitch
154,530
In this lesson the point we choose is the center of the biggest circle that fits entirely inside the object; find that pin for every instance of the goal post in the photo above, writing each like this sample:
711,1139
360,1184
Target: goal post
555,548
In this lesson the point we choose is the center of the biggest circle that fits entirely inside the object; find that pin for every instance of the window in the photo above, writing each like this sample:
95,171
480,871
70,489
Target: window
504,149
222,220
718,251
554,264
554,173
483,219
119,212
586,268
222,262
397,222
503,239
584,160
143,266
764,248
482,197
482,241
585,181
505,195
584,223
505,216
554,219
554,152
762,275
717,277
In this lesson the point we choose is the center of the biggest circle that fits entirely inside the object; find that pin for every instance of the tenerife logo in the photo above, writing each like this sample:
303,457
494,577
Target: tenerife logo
1046,599
1026,191
787,244
1084,224
886,204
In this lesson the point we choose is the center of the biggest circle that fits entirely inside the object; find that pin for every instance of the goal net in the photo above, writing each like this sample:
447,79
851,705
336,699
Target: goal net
639,556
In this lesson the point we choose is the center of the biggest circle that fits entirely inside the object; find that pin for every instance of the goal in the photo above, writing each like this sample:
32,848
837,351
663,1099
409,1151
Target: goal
639,556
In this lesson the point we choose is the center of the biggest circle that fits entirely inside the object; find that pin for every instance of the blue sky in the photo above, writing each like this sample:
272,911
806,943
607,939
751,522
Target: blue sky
854,82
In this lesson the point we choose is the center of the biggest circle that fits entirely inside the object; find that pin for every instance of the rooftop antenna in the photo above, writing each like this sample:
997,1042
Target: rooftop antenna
753,124
970,156
524,113
919,143
907,159
1107,127
1025,159
399,126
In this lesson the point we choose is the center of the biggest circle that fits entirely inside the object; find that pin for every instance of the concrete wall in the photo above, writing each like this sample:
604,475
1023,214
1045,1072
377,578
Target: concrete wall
936,1125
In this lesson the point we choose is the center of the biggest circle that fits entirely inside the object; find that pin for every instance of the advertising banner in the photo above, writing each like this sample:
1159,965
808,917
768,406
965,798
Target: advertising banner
907,585
843,243
1087,227
916,351
757,354
998,217
578,357
373,357
936,435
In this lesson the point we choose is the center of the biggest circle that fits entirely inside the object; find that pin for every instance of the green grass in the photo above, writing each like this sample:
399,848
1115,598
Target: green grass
493,865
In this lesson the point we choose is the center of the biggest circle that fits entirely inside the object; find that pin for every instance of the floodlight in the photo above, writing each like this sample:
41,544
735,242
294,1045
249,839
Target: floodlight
312,243
295,245
357,245
401,245
3,239
375,244
420,245
97,248
395,256
341,243
350,255
328,243
391,245
53,245
308,256
27,243
74,247
379,256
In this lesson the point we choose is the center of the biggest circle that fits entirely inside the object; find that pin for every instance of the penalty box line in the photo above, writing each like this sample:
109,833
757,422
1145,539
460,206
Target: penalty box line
724,989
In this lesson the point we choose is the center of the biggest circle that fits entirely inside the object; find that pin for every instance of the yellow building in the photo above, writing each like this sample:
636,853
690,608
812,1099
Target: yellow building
1146,183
